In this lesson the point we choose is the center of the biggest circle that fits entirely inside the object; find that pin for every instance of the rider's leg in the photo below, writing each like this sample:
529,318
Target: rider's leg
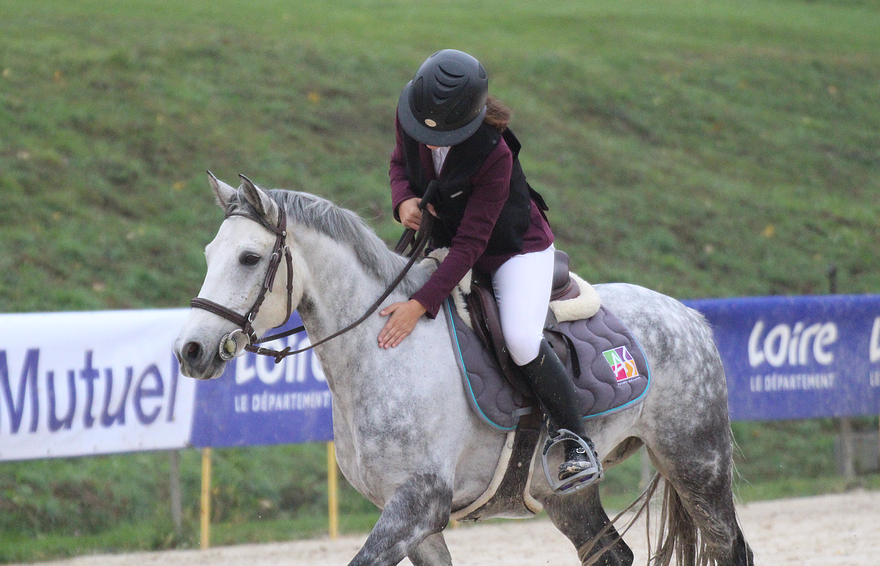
553,387
522,288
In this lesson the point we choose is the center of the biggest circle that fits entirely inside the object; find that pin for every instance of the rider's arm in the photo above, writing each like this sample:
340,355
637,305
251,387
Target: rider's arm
400,188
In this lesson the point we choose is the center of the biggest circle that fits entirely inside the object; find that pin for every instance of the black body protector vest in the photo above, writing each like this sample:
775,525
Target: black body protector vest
462,162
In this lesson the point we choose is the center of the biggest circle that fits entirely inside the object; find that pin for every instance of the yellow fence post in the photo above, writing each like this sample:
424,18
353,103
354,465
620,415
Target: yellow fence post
332,491
206,499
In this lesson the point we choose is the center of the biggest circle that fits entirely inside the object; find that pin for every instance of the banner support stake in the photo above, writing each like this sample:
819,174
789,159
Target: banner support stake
332,491
206,499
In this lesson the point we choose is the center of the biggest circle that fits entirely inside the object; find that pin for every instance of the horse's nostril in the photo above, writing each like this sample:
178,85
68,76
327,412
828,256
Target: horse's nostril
192,351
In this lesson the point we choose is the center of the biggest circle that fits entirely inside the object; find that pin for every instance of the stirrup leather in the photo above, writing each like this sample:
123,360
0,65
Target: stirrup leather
572,484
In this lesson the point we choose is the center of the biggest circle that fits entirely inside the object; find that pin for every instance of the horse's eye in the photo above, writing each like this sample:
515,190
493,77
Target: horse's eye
249,258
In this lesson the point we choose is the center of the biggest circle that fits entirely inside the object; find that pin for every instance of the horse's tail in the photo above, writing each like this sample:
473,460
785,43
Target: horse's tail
677,534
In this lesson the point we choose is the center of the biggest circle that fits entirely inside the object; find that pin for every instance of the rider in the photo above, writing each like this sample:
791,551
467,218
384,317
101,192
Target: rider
450,130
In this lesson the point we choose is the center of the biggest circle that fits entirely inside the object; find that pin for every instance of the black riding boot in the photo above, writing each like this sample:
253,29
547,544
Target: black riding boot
553,387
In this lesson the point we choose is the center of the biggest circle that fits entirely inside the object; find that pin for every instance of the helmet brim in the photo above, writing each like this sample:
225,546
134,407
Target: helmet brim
432,136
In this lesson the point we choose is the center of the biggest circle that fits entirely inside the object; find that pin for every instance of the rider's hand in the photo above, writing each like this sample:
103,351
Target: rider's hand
410,215
401,323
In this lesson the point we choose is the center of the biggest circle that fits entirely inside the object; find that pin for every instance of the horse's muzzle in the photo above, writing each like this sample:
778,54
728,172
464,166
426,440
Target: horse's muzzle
198,361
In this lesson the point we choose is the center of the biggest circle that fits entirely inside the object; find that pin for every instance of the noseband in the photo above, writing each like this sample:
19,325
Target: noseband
229,345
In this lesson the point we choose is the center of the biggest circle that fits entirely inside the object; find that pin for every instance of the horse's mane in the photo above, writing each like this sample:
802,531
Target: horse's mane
344,226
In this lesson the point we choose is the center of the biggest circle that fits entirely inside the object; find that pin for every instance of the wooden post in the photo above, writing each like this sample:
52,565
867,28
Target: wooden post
206,499
332,490
847,446
176,497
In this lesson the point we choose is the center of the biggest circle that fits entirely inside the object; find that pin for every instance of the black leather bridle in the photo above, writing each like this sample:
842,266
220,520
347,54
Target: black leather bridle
229,345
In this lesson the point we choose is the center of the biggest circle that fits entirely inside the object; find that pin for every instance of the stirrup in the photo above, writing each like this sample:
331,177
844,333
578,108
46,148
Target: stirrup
572,484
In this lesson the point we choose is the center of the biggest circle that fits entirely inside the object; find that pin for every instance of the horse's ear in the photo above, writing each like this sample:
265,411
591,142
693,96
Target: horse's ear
261,202
222,191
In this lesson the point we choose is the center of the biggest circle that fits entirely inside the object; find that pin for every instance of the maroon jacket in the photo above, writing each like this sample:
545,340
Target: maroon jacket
491,188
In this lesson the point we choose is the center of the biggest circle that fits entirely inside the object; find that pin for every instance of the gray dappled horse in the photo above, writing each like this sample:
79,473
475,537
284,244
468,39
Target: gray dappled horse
405,435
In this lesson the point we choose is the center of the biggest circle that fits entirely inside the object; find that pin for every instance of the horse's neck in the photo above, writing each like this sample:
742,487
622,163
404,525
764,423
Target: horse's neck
338,292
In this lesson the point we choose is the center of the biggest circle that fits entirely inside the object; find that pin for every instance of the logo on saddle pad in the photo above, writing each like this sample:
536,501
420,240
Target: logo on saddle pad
622,363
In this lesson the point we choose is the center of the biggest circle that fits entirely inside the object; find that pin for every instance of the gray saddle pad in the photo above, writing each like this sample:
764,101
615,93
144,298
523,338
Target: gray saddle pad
613,370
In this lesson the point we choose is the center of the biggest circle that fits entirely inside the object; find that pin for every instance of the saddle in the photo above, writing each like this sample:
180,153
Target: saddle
605,362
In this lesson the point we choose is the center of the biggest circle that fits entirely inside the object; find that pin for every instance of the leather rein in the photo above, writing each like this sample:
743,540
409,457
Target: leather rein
229,345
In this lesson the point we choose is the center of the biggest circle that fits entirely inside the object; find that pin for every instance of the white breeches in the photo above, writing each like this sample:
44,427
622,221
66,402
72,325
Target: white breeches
522,288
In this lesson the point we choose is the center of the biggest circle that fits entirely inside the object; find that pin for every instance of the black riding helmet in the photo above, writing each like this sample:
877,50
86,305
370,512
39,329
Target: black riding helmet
445,102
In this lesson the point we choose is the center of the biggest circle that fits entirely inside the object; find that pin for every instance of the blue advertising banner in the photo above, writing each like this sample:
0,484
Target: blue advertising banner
257,401
798,357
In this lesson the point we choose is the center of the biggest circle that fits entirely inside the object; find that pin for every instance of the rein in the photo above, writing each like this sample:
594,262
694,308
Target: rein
229,348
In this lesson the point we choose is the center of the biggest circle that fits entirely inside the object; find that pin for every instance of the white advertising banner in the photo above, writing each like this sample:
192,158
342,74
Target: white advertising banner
85,383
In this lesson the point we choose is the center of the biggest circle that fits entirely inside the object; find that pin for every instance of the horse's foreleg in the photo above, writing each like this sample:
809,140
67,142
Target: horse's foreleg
418,509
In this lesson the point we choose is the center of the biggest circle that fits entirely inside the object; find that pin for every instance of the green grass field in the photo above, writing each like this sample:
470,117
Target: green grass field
703,149
700,148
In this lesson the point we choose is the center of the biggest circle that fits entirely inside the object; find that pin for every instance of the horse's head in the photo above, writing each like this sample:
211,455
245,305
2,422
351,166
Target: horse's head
248,254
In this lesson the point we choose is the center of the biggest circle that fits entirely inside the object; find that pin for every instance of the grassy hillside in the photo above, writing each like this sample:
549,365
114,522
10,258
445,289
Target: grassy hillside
700,148
704,149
